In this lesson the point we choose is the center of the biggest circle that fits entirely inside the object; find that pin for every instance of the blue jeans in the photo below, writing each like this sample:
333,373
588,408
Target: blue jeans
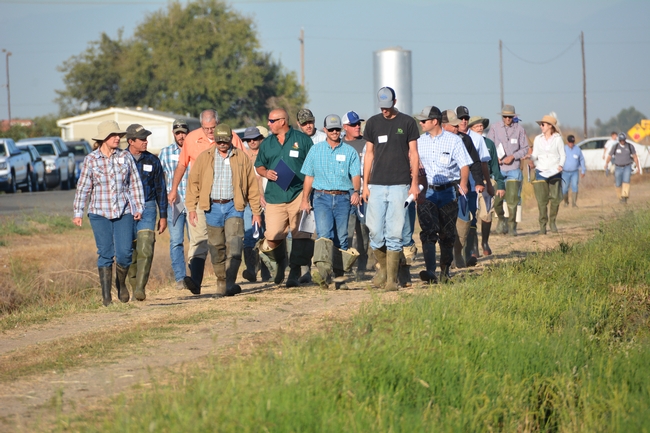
385,215
622,174
570,178
114,239
409,225
249,240
176,249
331,213
219,213
148,220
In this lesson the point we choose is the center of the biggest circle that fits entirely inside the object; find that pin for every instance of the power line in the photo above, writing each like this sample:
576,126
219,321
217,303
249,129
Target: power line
545,61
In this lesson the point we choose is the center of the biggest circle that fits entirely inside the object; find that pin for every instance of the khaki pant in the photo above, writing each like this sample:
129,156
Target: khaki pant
198,237
280,218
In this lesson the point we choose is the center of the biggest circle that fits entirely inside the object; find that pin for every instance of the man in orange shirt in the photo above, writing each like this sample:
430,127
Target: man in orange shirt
196,143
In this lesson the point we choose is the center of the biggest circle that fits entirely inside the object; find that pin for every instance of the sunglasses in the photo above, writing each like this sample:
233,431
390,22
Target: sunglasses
464,118
334,130
354,125
508,117
543,123
275,120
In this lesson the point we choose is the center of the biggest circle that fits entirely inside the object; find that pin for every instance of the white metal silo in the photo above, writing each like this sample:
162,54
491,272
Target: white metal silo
392,68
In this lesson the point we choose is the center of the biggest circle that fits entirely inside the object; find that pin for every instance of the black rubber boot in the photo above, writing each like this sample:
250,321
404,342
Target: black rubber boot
195,279
486,227
429,254
234,231
251,259
302,251
275,259
106,281
120,283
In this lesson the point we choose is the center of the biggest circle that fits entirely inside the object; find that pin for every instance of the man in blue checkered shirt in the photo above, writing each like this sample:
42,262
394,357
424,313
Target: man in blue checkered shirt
155,194
445,161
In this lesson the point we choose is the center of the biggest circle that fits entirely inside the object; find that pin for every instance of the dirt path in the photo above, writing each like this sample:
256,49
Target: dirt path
261,312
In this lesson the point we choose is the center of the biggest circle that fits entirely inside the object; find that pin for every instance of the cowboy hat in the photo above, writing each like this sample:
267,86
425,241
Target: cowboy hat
106,128
551,120
508,110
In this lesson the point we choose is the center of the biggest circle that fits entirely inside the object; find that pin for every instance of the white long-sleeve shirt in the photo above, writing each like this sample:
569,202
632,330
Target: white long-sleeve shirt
548,154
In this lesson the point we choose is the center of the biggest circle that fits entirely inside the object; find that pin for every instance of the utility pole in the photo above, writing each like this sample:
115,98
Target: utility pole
501,69
584,82
302,57
8,88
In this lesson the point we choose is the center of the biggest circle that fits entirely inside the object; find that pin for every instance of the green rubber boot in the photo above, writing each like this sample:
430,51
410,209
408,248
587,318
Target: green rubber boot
540,187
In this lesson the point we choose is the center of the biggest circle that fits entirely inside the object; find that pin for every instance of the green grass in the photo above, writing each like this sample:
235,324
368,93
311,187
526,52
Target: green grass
34,223
557,342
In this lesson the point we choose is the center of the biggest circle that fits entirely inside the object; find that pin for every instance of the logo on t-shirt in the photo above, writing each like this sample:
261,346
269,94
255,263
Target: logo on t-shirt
400,131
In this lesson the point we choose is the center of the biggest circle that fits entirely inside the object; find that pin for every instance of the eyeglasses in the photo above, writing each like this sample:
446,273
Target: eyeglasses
275,120
208,128
334,130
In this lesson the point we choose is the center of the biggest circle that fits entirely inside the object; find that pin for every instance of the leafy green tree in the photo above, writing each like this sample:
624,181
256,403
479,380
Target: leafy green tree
184,59
44,126
623,121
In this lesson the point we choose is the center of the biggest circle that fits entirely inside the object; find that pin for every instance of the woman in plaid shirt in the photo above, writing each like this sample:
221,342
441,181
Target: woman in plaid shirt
110,179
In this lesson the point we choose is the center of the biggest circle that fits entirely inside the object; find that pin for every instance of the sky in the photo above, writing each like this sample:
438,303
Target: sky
454,50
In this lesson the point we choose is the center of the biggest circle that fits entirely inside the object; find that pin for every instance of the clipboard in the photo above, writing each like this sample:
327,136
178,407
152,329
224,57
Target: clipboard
177,209
285,175
307,222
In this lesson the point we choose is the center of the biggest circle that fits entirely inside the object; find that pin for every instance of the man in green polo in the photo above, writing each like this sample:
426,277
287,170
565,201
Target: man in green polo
283,206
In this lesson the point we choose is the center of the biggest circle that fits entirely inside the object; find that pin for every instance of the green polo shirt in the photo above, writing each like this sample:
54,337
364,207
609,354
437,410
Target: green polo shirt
293,153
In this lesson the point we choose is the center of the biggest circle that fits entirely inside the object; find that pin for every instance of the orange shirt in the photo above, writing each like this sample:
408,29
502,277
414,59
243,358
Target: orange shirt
197,142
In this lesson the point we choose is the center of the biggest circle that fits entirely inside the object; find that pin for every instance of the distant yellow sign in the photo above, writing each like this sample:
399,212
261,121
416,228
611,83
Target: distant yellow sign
639,131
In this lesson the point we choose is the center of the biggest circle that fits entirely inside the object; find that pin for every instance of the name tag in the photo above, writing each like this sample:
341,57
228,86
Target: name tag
120,160
382,138
513,141
340,158
575,156
294,153
226,161
174,157
445,159
618,150
147,167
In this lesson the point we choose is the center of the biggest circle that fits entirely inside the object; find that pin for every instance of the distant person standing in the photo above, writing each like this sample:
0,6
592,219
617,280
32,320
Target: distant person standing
623,154
110,183
169,161
574,165
391,174
305,121
512,145
549,158
610,143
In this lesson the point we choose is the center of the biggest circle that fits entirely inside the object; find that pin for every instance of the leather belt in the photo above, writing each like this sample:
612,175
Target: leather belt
441,187
331,192
228,200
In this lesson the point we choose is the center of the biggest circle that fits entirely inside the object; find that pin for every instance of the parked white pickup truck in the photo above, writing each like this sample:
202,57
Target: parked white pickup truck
14,166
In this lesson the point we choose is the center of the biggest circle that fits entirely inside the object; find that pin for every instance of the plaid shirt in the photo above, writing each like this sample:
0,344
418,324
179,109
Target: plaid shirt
332,169
442,157
153,180
169,161
222,188
113,184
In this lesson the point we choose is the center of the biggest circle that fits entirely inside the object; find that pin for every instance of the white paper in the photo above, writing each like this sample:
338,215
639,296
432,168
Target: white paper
410,198
307,222
500,152
548,173
177,209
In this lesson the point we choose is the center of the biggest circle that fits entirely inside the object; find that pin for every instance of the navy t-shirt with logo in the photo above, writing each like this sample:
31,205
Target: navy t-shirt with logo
391,139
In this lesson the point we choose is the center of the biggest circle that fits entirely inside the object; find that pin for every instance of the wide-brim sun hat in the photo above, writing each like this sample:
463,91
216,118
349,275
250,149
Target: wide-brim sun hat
107,128
475,120
508,110
551,120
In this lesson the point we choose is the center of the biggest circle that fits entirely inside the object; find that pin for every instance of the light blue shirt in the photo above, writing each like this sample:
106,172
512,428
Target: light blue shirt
332,169
442,157
574,159
479,144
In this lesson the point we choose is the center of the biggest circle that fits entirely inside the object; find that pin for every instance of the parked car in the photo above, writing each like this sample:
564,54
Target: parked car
37,167
80,149
592,149
15,167
59,160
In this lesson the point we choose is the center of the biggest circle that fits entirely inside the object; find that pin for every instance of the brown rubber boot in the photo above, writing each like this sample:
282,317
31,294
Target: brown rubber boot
392,267
379,280
462,230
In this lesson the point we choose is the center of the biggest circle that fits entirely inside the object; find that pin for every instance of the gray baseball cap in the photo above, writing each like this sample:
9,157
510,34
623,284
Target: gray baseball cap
332,121
429,112
449,116
386,96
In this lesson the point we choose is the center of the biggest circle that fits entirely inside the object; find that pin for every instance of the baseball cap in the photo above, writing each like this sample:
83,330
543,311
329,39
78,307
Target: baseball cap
222,133
252,133
571,139
180,125
263,131
351,117
429,112
137,131
621,136
462,111
332,121
386,96
305,115
449,116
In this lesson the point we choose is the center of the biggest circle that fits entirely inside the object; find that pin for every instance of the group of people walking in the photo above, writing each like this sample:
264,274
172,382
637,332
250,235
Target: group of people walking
254,200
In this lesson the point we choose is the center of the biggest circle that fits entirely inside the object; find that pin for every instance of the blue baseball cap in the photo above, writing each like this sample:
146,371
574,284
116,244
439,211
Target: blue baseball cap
351,117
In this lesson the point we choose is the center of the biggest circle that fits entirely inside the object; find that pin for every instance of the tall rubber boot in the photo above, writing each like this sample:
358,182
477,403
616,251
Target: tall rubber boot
218,248
406,260
301,253
486,227
445,278
471,247
379,280
566,199
322,275
234,228
618,194
250,260
145,248
105,280
429,254
625,192
462,230
275,259
512,198
392,267
574,199
133,268
502,223
195,279
540,187
265,274
120,283
342,262
554,199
